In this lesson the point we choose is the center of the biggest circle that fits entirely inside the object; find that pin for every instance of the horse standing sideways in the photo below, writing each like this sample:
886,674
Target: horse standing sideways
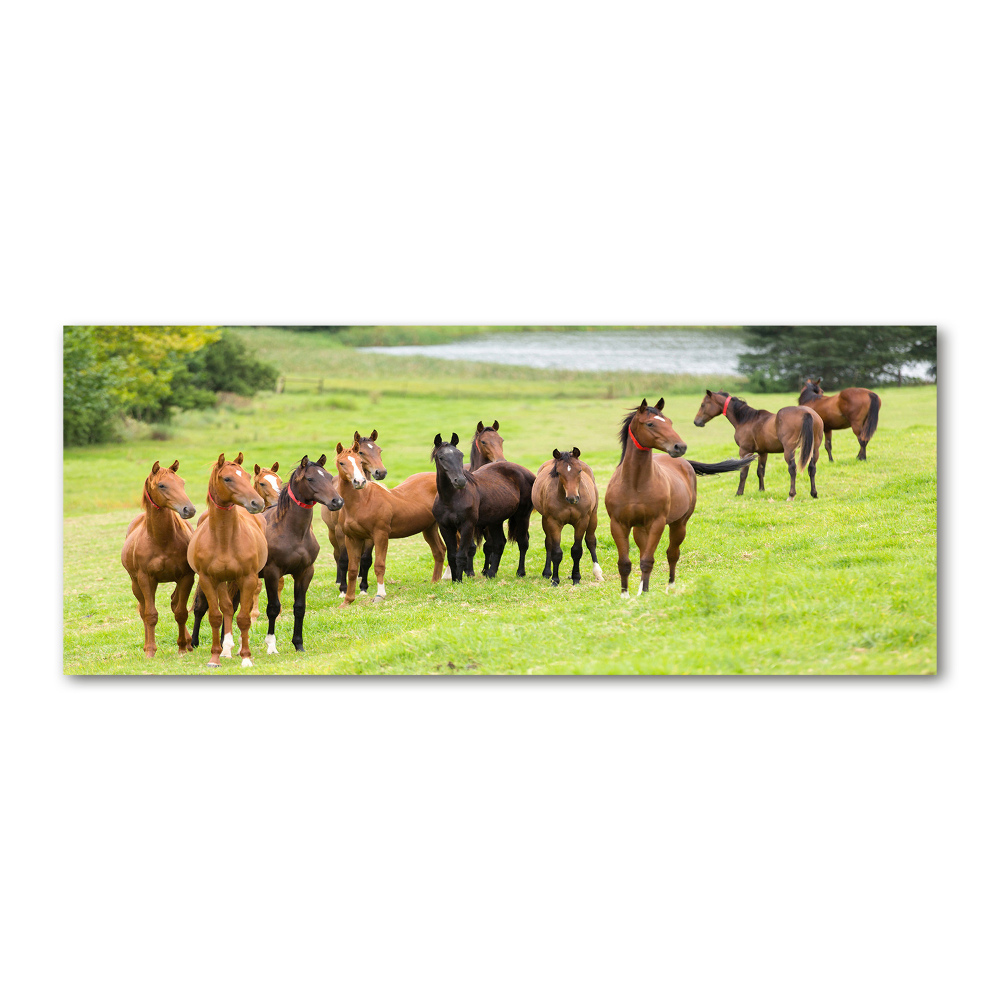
484,499
267,483
764,433
155,551
565,492
854,408
648,492
291,545
373,513
229,546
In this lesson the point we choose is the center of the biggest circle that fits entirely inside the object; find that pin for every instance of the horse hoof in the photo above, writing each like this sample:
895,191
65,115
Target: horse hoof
246,662
555,583
446,575
377,599
624,595
213,663
814,495
300,648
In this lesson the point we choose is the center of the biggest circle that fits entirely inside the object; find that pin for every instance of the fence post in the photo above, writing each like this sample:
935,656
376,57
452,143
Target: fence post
281,383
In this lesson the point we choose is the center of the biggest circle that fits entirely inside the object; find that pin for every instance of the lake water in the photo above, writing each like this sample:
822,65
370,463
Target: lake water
696,352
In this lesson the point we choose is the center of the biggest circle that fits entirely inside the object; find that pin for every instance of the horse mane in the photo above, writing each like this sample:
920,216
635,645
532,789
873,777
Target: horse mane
564,456
741,410
623,433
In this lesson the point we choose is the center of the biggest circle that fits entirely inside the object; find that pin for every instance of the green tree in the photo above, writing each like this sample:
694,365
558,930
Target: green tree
93,388
781,357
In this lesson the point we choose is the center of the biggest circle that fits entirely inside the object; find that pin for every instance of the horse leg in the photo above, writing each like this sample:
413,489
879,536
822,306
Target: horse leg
547,572
857,426
466,545
226,598
380,545
340,552
248,588
497,543
828,440
761,463
365,566
147,610
677,532
620,534
199,609
812,477
553,545
302,582
211,595
450,537
178,604
488,551
433,538
790,459
271,580
255,608
577,551
520,524
647,542
743,472
355,546
591,538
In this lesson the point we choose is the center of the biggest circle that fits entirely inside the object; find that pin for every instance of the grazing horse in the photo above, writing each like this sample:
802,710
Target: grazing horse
374,470
766,433
648,492
155,551
372,513
854,408
267,483
565,492
484,499
229,546
291,545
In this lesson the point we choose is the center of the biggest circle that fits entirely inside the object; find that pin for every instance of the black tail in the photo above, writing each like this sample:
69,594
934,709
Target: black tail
711,469
807,440
871,421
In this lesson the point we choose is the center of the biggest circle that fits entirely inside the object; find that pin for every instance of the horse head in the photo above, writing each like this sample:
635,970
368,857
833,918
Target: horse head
267,483
371,455
310,483
649,428
489,442
448,461
229,484
568,469
350,466
165,488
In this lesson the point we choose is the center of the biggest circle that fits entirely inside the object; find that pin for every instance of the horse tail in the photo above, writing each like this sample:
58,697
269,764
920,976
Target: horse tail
806,440
871,421
712,469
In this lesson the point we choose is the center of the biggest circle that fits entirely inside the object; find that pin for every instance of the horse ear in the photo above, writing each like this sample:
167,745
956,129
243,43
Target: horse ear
340,447
496,425
480,428
239,458
659,405
304,462
576,452
556,453
256,469
356,446
274,468
321,460
156,468
642,406
374,434
176,465
222,460
708,392
437,440
819,378
454,439
357,436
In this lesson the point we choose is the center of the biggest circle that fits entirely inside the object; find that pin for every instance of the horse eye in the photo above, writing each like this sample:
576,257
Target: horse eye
162,486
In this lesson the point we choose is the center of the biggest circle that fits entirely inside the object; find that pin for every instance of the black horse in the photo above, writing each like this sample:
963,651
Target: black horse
291,545
484,499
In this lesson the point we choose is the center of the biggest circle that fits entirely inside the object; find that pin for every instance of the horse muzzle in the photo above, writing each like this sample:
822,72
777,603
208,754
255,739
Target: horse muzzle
573,500
676,450
255,506
335,503
359,484
187,511
699,423
379,474
460,484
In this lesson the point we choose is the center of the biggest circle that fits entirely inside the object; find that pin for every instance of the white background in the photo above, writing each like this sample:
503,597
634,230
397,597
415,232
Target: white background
523,163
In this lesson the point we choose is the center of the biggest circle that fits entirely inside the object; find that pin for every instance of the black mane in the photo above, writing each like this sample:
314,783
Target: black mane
564,456
284,500
623,433
741,410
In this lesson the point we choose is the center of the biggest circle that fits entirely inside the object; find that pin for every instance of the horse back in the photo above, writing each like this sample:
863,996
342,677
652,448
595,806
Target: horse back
504,488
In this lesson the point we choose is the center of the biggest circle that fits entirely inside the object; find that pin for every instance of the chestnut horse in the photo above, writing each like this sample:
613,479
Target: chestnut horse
155,551
648,492
373,513
267,483
374,470
565,492
229,546
766,433
854,408
483,500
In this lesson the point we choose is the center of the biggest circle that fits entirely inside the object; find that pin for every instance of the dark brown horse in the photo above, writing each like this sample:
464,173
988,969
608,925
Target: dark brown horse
487,446
267,483
854,408
229,547
155,551
647,492
766,433
375,514
565,492
483,500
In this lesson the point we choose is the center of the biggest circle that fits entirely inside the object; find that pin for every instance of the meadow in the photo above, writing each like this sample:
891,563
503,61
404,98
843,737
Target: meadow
845,584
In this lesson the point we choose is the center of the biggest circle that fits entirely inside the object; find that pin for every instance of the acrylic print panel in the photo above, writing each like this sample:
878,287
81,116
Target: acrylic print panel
500,500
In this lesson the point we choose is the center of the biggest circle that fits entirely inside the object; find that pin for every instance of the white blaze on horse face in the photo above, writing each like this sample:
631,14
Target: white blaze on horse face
273,480
655,417
359,476
238,472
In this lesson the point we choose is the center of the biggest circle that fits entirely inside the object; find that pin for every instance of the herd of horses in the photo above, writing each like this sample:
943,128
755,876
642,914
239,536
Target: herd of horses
258,530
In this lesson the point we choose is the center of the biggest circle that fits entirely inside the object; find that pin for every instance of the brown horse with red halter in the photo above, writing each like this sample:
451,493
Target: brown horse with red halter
155,551
565,492
854,408
647,492
762,432
229,547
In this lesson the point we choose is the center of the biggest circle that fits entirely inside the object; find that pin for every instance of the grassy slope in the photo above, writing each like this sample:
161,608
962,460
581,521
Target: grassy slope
845,583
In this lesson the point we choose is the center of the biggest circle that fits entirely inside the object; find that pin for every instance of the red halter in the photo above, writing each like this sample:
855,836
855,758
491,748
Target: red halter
299,502
219,505
636,443
725,405
150,499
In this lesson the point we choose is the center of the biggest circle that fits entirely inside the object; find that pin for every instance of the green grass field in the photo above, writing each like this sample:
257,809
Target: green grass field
842,584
